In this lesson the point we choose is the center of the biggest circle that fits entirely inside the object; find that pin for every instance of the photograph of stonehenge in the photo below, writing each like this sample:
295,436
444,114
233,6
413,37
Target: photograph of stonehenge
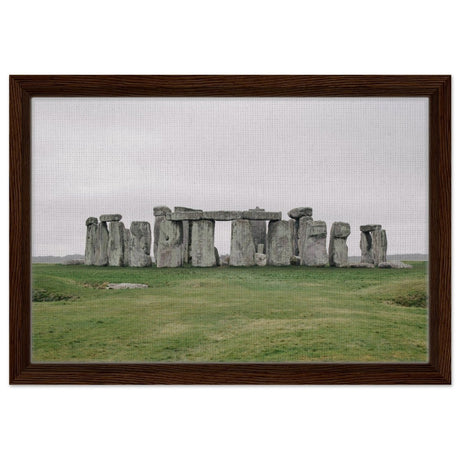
186,236
252,229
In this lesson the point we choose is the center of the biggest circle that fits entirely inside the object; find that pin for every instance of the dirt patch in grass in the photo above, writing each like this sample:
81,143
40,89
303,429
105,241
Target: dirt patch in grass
43,295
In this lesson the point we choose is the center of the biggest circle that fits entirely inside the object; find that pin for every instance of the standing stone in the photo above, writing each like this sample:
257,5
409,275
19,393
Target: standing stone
202,245
186,233
312,244
126,246
169,251
140,243
160,213
279,243
102,244
260,259
260,248
338,249
216,253
242,247
373,244
116,244
258,229
294,228
91,241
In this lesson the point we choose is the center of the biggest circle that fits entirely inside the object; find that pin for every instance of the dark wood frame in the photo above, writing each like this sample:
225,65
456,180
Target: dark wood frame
436,88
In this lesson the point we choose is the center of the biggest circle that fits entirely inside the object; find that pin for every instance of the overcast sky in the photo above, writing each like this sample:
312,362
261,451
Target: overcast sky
358,160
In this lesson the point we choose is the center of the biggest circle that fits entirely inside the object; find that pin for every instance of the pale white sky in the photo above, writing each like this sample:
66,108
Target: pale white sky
358,160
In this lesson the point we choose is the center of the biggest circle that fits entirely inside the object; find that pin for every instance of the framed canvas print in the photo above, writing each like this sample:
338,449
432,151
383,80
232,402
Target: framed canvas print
230,229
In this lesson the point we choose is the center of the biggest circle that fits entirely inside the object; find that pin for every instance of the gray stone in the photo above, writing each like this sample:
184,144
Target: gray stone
126,286
91,221
140,244
338,249
261,215
183,208
260,248
297,213
126,246
91,241
242,248
340,230
295,260
159,218
169,251
186,238
259,232
225,259
294,226
312,245
116,246
216,253
361,265
110,218
185,215
202,245
370,227
161,211
279,244
102,244
74,262
373,244
398,265
260,259
222,215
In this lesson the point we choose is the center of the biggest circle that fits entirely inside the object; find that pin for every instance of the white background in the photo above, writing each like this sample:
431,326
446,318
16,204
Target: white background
334,37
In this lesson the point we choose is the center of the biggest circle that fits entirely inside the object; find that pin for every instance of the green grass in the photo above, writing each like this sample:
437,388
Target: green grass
259,314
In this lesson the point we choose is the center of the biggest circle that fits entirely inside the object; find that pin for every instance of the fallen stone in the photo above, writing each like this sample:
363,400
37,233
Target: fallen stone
169,251
110,217
222,215
102,244
361,265
260,259
185,215
74,262
295,260
297,213
261,215
140,244
161,211
126,286
116,247
91,221
279,244
397,265
242,247
312,246
202,245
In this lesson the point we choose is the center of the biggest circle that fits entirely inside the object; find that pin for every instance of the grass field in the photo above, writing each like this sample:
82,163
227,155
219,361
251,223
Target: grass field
259,314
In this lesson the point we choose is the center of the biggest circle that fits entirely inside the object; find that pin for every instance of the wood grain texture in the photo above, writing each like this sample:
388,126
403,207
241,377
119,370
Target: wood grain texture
436,88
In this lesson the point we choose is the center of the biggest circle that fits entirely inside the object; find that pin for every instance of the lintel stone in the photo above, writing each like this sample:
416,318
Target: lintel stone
261,215
185,215
222,215
110,218
370,228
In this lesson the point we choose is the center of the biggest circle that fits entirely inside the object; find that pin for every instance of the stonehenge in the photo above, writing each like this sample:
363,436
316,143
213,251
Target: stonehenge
186,236
115,245
373,244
